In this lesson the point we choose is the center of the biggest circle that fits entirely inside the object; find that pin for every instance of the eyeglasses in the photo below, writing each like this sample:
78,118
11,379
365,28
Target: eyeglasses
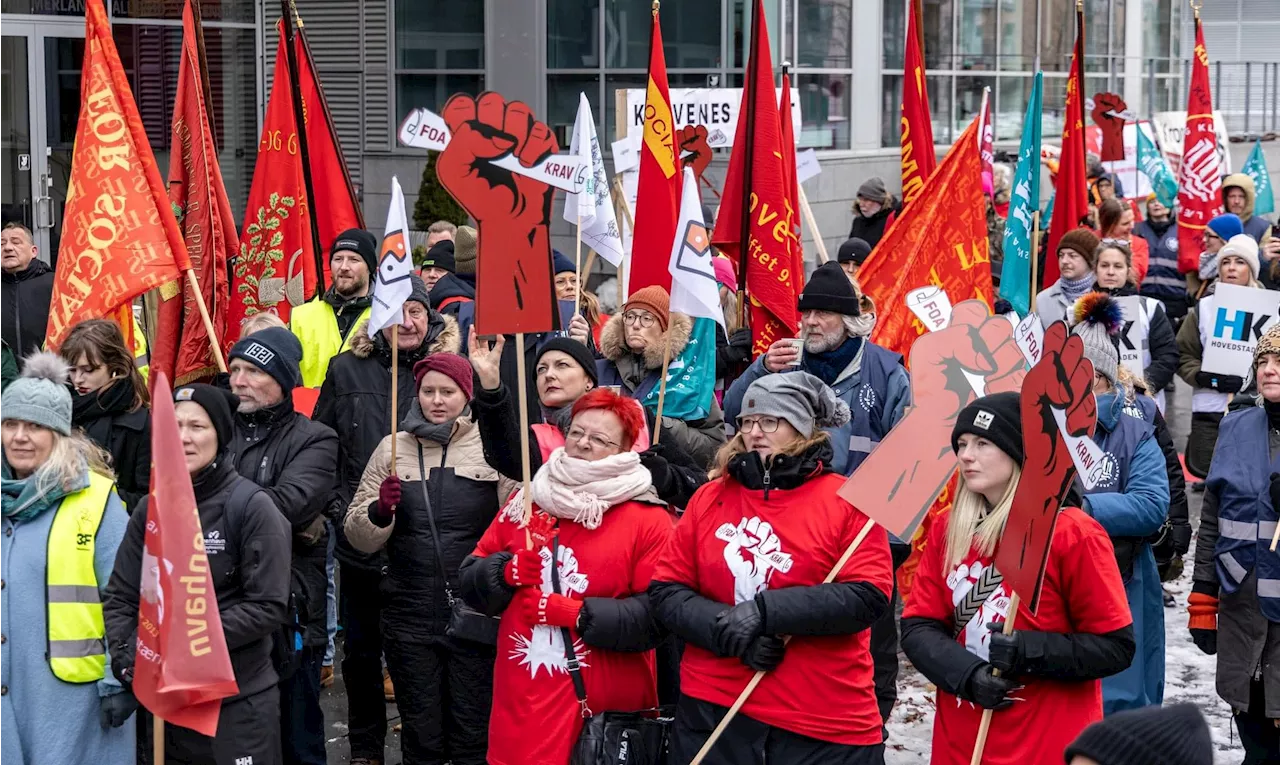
765,424
642,318
576,434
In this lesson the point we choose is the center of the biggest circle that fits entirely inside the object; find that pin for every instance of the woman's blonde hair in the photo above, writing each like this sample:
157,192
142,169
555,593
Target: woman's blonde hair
590,308
974,523
729,307
737,445
260,321
68,459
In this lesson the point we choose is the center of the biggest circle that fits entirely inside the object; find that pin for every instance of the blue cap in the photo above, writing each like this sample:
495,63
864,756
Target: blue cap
1227,225
562,263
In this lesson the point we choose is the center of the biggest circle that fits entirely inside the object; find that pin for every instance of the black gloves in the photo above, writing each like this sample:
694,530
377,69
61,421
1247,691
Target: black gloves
741,340
1206,641
765,653
655,460
1220,383
988,691
1005,652
1275,489
736,628
115,709
122,662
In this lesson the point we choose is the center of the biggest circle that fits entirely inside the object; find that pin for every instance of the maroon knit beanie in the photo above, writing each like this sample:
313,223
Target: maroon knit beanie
450,365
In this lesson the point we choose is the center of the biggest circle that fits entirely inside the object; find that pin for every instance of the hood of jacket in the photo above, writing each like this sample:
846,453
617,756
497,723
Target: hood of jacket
614,347
447,340
38,267
450,286
1245,184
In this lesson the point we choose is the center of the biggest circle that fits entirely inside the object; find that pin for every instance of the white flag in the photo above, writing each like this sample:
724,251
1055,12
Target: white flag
395,266
594,205
694,290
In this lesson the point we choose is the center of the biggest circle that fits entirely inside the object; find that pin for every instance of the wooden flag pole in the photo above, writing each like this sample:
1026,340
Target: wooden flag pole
662,388
157,740
395,388
620,199
204,317
1035,255
577,266
751,686
812,223
522,395
984,727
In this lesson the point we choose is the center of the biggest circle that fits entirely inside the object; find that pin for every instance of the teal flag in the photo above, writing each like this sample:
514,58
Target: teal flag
1152,165
1256,168
1024,200
691,377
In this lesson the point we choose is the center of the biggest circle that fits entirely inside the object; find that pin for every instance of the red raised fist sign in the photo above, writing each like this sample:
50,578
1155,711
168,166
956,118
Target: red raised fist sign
1112,128
693,139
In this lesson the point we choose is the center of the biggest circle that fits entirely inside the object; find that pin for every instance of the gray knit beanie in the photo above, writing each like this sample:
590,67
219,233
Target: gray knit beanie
41,395
1098,319
797,397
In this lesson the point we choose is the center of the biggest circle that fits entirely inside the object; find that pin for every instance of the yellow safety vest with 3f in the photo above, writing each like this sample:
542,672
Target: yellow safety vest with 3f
77,649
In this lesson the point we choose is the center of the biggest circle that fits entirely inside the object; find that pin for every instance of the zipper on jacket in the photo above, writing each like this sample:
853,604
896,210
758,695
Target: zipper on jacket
766,483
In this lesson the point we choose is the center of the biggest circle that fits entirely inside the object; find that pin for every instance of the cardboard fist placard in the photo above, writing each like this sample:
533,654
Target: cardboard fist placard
898,482
1058,388
515,290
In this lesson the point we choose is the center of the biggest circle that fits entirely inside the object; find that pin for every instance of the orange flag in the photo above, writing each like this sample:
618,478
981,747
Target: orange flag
658,188
119,238
941,240
1071,195
182,671
181,347
918,156
756,225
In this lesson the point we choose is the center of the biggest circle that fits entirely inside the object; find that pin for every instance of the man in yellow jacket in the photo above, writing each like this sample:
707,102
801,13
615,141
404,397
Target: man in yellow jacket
325,326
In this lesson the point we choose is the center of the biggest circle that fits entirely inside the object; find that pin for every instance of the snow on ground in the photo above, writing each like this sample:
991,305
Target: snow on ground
1189,676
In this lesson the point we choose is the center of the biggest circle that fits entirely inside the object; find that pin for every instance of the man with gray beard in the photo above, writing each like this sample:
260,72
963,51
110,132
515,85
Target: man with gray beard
873,382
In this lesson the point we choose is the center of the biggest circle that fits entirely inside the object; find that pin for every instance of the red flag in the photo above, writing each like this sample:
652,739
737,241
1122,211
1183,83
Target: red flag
757,213
941,240
658,188
276,266
181,347
1071,201
918,156
1199,175
788,133
182,670
119,238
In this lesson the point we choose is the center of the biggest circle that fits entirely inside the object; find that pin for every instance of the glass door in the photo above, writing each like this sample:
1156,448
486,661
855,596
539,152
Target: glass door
17,197
62,60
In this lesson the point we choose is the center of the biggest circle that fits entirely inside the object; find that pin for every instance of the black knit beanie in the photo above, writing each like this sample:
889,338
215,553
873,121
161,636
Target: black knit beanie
1172,735
576,350
274,350
440,256
219,404
997,418
829,289
360,242
854,249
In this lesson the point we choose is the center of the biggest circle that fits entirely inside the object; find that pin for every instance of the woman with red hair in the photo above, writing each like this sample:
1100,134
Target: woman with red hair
570,582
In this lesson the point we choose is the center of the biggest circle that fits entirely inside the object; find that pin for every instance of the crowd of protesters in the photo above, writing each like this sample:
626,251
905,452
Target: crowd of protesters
651,564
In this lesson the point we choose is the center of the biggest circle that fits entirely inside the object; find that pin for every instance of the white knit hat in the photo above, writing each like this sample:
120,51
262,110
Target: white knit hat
1244,247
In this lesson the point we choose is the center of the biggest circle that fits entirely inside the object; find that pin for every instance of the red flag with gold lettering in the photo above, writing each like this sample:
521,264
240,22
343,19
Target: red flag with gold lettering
181,670
1071,194
658,187
181,347
756,172
119,237
788,133
918,156
941,241
1199,173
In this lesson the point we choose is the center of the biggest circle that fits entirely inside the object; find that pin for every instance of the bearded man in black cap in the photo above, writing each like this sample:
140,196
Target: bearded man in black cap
324,327
295,461
355,401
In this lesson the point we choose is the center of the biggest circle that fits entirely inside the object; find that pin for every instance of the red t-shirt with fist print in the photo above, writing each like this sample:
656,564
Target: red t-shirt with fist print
1082,592
732,544
536,718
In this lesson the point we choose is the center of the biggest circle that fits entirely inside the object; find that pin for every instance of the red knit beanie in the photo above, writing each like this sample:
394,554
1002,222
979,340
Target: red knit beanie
450,365
653,299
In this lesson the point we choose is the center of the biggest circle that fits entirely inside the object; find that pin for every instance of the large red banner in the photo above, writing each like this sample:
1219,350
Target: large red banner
658,187
918,156
119,237
180,347
788,138
182,671
1071,202
1199,174
941,240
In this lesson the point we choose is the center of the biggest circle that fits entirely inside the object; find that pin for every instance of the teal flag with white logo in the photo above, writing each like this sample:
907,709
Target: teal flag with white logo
1024,200
691,377
1152,165
1255,167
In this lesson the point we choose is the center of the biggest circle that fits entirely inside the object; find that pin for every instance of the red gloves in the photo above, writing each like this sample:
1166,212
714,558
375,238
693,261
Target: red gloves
524,570
388,498
537,607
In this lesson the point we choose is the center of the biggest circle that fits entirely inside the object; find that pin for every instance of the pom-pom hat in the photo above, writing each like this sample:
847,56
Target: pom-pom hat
41,395
1098,319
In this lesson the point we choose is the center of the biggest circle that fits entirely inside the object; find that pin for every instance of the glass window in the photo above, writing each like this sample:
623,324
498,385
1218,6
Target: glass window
938,23
439,51
893,19
977,41
210,10
433,90
939,87
690,33
824,109
573,34
1017,36
824,33
969,92
1011,107
562,105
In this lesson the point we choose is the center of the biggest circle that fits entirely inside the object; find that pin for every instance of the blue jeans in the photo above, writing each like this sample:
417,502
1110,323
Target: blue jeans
331,599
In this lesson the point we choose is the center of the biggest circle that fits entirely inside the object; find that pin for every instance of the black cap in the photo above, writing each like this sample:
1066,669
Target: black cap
276,351
440,256
1172,735
997,418
854,249
219,404
579,352
359,241
829,289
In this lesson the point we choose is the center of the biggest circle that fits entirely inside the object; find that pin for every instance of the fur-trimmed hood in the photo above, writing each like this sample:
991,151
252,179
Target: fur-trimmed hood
614,347
449,340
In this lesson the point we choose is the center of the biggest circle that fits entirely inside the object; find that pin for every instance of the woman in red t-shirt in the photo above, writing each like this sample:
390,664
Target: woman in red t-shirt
745,567
1054,660
597,519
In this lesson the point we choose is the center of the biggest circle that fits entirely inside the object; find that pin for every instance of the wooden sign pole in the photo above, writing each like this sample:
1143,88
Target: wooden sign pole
577,267
522,400
662,388
157,739
812,223
984,727
204,318
395,389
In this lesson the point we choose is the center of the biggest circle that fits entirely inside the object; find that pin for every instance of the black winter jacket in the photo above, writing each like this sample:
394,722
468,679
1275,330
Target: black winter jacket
1179,516
871,229
355,401
105,418
450,286
247,548
294,460
24,298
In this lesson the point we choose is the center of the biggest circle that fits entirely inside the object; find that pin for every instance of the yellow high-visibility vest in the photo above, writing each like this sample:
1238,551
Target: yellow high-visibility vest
316,327
77,648
141,356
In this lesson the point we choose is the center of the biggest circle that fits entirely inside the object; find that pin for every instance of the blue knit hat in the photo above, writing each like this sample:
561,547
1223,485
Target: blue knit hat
41,395
1227,225
562,262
